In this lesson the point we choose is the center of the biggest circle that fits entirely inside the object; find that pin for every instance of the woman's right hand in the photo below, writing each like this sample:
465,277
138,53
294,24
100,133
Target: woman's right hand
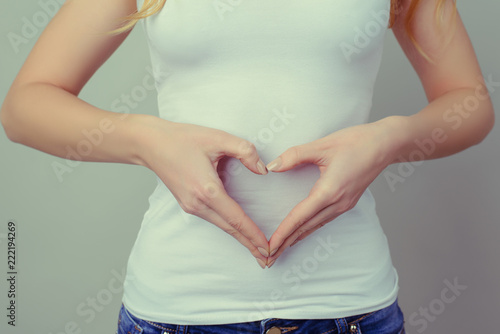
185,158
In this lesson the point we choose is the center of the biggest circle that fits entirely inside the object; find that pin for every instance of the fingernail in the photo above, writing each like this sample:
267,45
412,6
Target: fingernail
273,252
271,263
263,251
275,164
262,264
261,167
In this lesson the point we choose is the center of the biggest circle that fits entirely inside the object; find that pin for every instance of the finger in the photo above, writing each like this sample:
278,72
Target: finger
320,219
306,234
300,215
245,151
212,216
294,156
234,216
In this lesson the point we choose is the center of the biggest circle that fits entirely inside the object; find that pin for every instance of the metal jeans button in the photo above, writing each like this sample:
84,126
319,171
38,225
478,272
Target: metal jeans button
273,330
353,328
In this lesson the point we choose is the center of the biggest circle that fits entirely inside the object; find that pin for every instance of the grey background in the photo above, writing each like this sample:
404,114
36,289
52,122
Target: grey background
74,236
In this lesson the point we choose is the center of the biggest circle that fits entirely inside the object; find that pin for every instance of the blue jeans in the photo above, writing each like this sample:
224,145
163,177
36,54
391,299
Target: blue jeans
388,320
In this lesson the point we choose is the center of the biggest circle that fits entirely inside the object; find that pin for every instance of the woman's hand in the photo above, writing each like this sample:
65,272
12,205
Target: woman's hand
185,158
348,160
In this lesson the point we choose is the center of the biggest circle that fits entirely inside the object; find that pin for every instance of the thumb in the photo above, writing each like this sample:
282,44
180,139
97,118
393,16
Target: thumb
246,152
293,157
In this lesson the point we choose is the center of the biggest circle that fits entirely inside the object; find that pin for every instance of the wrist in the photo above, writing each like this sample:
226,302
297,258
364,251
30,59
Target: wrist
397,132
138,131
147,132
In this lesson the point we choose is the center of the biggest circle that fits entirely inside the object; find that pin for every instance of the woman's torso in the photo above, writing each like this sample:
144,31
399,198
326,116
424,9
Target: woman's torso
278,73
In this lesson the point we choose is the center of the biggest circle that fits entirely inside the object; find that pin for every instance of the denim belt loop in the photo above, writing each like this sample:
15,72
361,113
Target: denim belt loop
181,329
341,326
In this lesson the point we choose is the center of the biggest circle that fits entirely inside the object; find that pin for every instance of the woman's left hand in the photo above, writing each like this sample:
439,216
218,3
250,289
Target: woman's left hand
349,160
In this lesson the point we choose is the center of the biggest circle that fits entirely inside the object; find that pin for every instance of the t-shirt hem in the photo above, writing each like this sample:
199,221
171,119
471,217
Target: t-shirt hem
286,314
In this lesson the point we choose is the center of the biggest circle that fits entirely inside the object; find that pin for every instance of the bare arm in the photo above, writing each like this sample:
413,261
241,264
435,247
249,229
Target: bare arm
460,112
42,110
459,115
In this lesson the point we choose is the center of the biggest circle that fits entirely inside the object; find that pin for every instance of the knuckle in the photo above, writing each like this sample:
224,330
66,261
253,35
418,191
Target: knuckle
294,152
235,223
322,193
199,198
298,222
247,148
345,205
280,236
210,191
193,207
187,208
301,230
206,193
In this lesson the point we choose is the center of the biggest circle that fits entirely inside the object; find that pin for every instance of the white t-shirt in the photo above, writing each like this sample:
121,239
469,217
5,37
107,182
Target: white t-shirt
279,73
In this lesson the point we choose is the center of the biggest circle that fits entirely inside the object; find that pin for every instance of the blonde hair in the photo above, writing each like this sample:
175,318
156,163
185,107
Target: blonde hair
150,7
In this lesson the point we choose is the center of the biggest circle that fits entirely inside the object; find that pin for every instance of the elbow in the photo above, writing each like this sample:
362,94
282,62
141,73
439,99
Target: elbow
7,122
487,124
11,116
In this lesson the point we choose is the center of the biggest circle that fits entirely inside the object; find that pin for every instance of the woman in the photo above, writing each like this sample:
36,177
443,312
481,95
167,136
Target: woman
241,84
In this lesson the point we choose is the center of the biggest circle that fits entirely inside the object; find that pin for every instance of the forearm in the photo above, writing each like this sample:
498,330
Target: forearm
57,122
449,124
